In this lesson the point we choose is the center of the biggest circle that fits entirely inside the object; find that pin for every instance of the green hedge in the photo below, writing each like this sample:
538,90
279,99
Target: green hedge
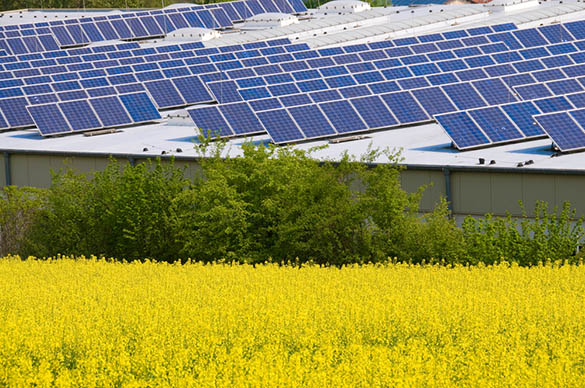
271,203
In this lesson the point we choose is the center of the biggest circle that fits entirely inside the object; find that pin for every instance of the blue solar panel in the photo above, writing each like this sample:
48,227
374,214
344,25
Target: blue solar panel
557,61
280,126
404,107
325,95
140,107
164,93
475,41
528,66
462,130
553,104
414,59
522,115
241,118
283,89
574,71
368,77
396,73
340,81
254,93
311,121
3,123
225,91
494,91
565,86
479,61
110,111
266,104
577,99
413,83
495,124
14,110
49,119
464,96
450,44
434,101
210,121
493,48
312,85
577,29
192,90
563,130
441,56
500,70
333,71
278,78
548,75
442,79
374,112
536,52
531,92
355,91
562,48
80,115
76,95
471,74
343,116
467,52
295,100
452,65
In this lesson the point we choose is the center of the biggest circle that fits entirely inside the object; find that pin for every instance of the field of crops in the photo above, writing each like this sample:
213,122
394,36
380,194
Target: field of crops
88,323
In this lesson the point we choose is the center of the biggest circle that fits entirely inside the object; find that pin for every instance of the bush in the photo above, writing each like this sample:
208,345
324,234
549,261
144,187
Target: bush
18,209
270,203
121,212
548,236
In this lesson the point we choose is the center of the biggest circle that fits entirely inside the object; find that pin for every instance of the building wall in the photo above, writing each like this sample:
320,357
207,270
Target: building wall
472,192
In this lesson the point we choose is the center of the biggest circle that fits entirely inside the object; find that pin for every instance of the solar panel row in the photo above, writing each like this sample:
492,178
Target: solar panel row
47,36
96,113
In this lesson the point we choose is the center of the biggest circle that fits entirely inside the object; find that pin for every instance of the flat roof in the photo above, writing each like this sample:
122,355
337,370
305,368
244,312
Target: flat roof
421,145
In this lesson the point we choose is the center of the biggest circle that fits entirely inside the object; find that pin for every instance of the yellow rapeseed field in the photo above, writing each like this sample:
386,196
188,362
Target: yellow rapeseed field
93,323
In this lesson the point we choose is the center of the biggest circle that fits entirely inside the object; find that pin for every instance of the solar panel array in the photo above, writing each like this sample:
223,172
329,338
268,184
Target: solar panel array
57,34
484,85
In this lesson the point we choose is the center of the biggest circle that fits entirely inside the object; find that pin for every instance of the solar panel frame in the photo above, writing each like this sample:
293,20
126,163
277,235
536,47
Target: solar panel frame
343,116
110,111
164,94
211,122
49,119
241,118
563,130
15,113
140,107
434,101
462,130
280,126
405,107
464,96
494,91
521,114
80,115
311,121
496,125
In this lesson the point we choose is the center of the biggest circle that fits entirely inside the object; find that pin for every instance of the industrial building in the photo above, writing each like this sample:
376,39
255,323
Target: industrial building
483,100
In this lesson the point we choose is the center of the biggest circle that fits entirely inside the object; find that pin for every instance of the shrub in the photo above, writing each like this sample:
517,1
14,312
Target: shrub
548,236
18,209
121,212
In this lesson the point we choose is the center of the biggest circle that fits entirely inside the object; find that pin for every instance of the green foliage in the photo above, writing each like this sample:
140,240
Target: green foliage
548,236
269,203
121,212
18,209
